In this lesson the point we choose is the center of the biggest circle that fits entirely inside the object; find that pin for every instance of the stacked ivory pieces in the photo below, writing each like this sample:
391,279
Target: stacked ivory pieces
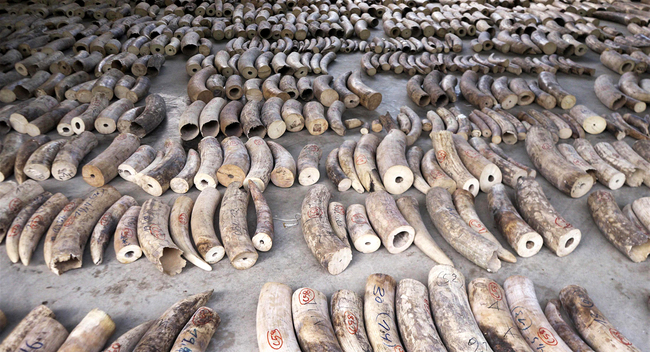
397,224
188,325
445,316
160,232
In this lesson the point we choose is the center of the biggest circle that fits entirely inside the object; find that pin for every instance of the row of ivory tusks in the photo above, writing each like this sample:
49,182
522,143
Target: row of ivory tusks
188,325
163,233
446,316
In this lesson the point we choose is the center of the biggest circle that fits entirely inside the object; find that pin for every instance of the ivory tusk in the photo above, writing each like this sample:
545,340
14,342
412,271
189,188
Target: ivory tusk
315,121
261,163
163,332
602,336
311,320
491,311
154,238
274,321
451,124
291,114
543,99
633,174
263,237
450,161
236,162
334,113
323,90
415,92
470,91
202,225
552,312
521,237
124,122
572,156
12,143
48,121
211,160
484,170
66,162
565,176
363,236
331,252
128,340
155,180
630,155
180,231
39,163
368,98
106,121
347,319
431,85
138,161
509,133
20,222
379,313
55,228
458,234
589,120
188,124
37,224
451,310
234,228
182,182
414,158
605,173
209,119
608,93
433,174
197,333
308,162
416,125
90,334
106,226
548,82
13,202
364,162
155,111
414,316
86,121
339,84
46,336
103,168
272,117
125,241
497,150
335,173
196,88
346,162
284,167
464,203
250,119
559,235
16,336
530,318
503,94
22,153
7,187
395,232
393,168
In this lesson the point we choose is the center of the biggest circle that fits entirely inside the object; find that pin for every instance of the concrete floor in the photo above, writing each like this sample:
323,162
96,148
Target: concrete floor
137,292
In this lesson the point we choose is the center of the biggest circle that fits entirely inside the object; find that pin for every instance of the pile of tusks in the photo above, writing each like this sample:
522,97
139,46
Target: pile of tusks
445,316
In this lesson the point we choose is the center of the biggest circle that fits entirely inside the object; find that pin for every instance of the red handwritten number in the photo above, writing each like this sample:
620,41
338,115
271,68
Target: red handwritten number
547,337
314,212
116,347
494,290
351,322
182,218
306,295
442,155
361,159
274,338
562,223
14,205
617,335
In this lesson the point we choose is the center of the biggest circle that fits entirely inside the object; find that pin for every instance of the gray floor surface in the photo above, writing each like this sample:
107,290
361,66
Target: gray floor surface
137,292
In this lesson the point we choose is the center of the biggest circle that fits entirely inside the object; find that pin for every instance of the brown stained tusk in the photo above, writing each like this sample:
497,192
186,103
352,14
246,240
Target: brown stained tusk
633,174
236,162
323,90
416,125
155,240
125,241
528,315
572,156
450,162
20,223
565,176
184,181
414,316
272,117
154,113
543,99
437,123
20,118
456,232
470,91
106,226
13,202
566,332
311,320
19,149
209,119
416,93
507,98
274,320
368,98
583,311
55,228
188,124
451,311
199,329
291,113
414,158
348,322
339,84
605,173
589,120
346,162
548,82
616,62
485,84
138,161
334,114
432,86
448,84
564,130
162,334
128,340
15,337
509,133
433,173
39,163
484,170
315,121
66,162
124,122
211,157
327,247
91,333
155,179
263,237
337,217
103,168
395,232
47,334
379,313
630,155
261,163
233,227
335,173
140,89
492,313
283,174
46,122
464,203
196,88
308,162
38,224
